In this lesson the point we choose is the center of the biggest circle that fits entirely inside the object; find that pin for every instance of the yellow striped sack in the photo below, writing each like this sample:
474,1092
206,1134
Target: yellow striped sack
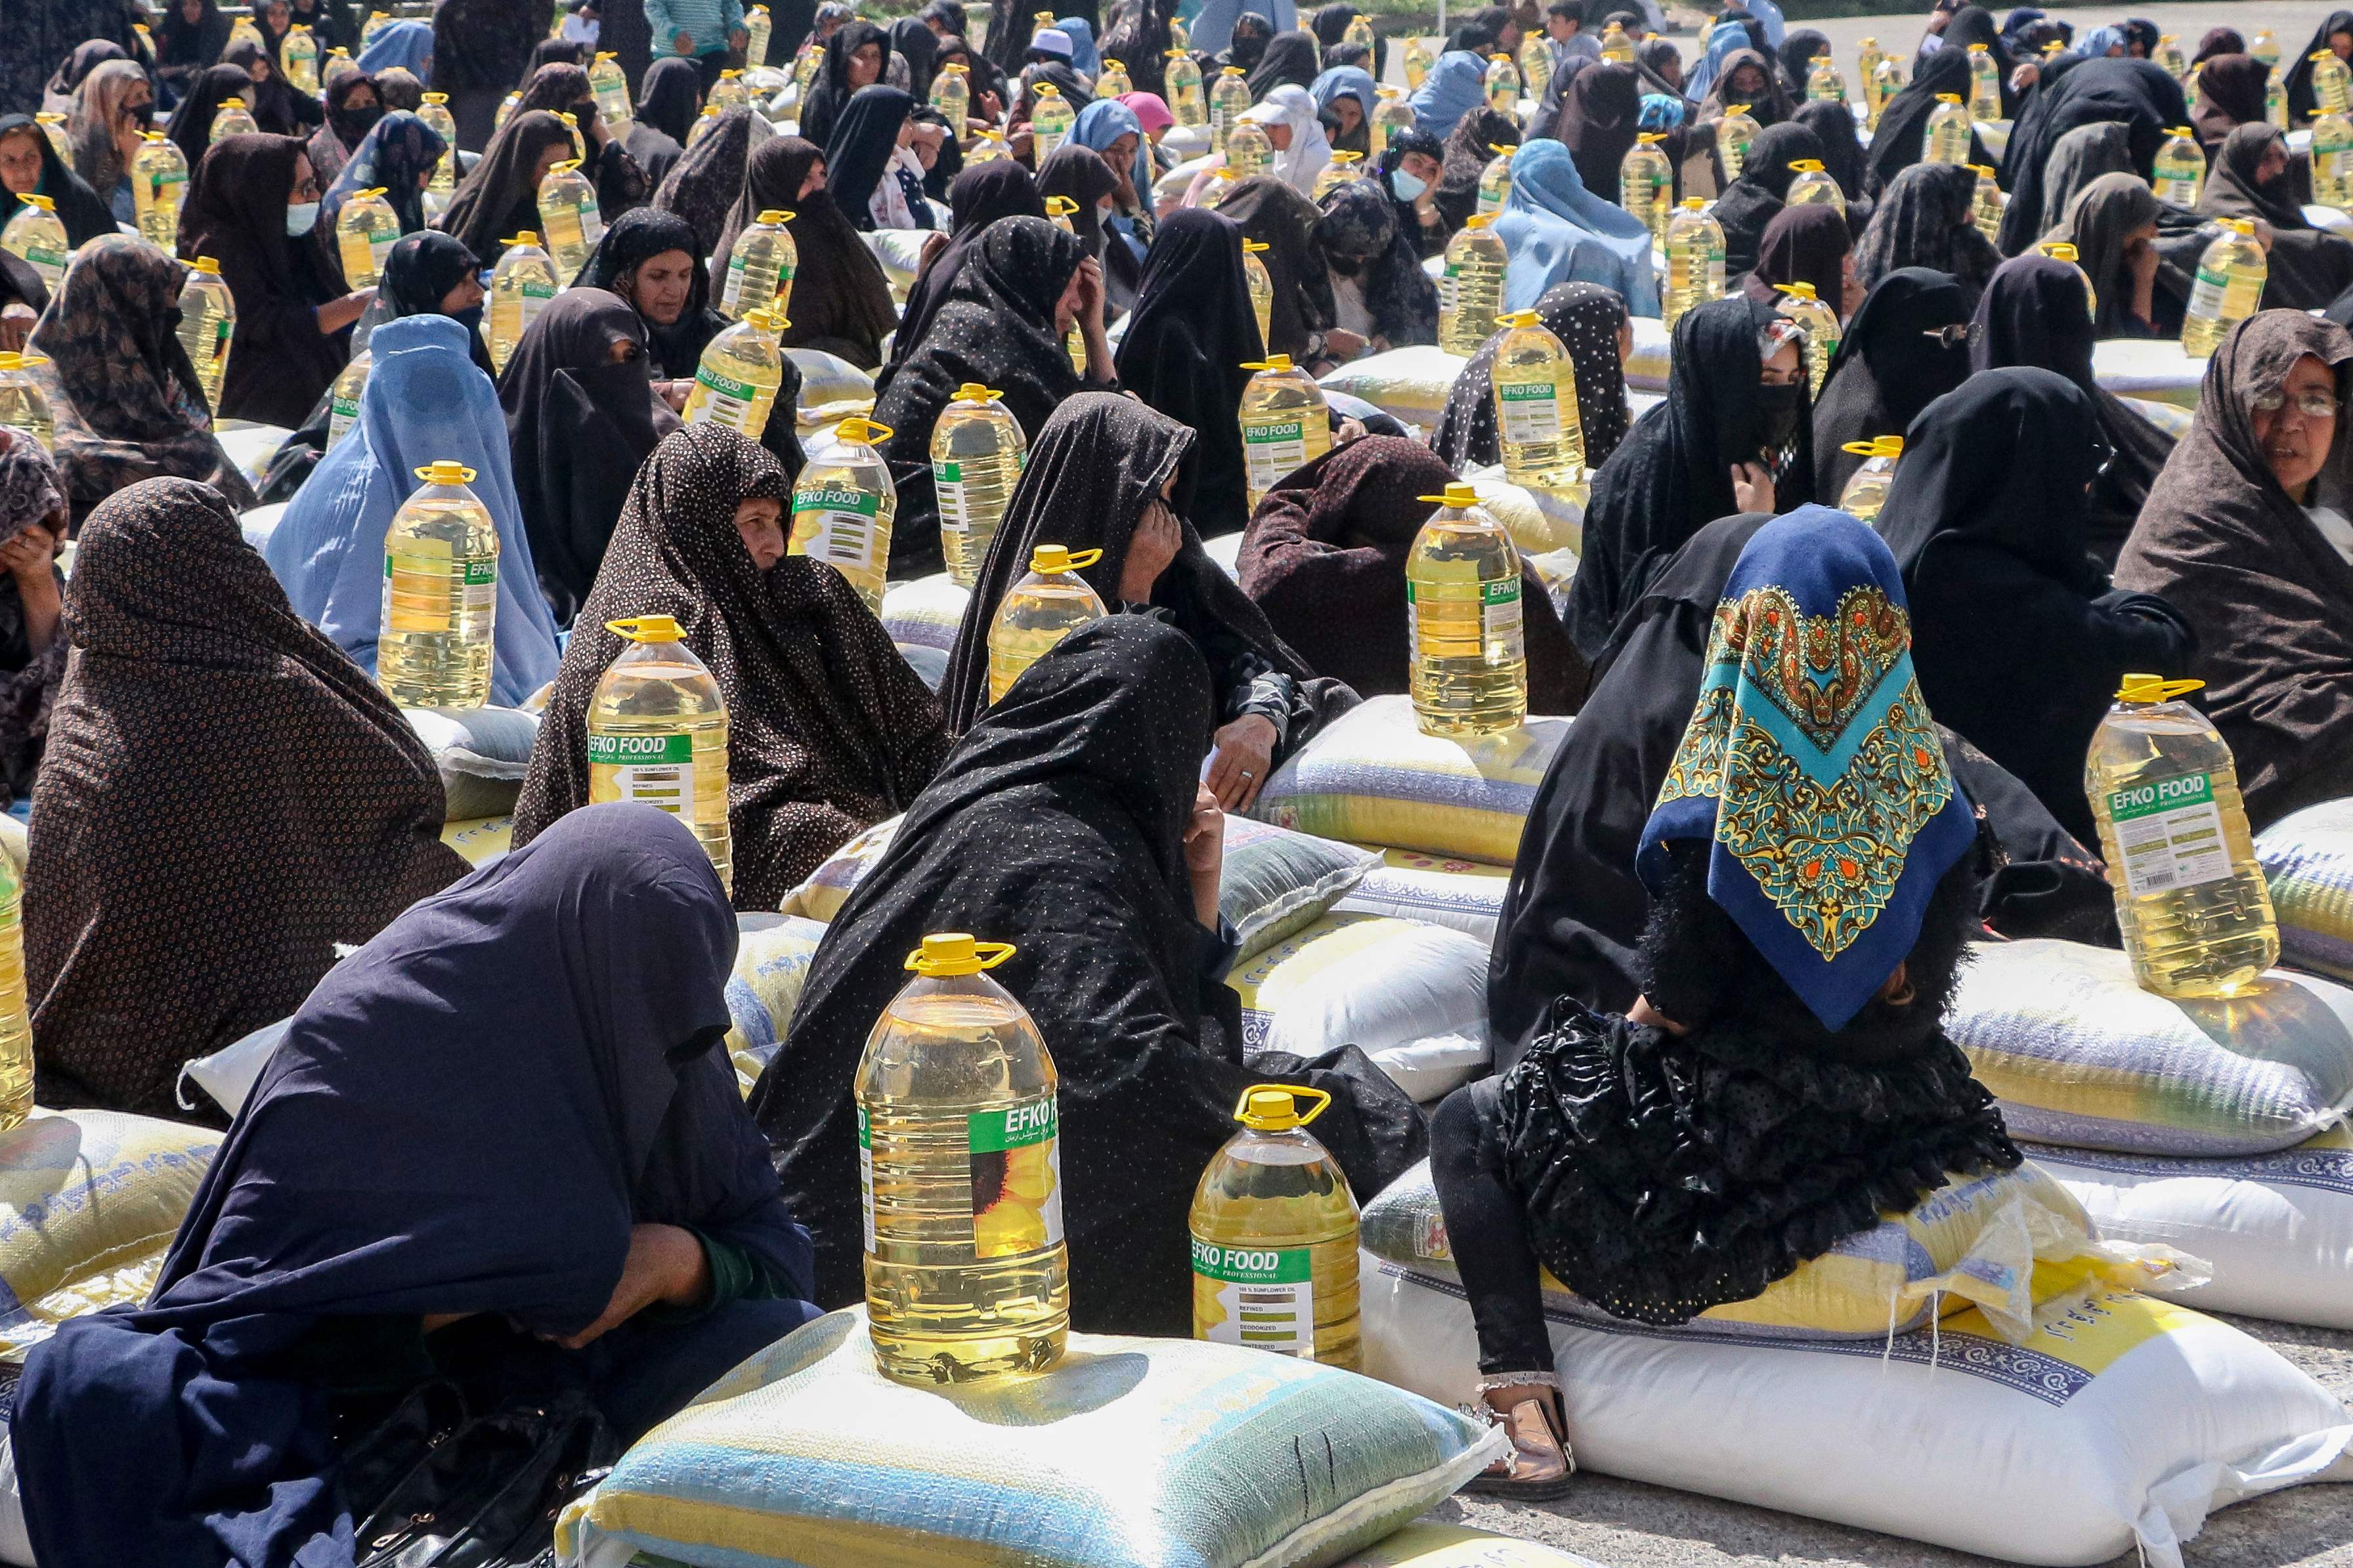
772,965
481,840
2307,858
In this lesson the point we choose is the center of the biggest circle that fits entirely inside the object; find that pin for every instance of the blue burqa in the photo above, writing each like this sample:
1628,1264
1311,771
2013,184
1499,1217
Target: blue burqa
1558,232
1455,86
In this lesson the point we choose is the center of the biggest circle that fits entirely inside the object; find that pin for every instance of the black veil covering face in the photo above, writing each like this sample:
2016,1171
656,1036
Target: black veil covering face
1186,352
1903,349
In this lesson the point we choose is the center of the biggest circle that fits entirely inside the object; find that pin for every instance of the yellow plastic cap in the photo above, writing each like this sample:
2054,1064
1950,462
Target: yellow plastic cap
1342,157
973,392
1649,138
428,98
1499,58
2242,226
1499,147
607,55
2320,53
51,117
1274,1107
1052,558
1977,48
774,216
1480,220
1867,42
2180,131
11,360
527,237
1111,64
647,628
374,191
860,430
1048,89
2059,250
1948,98
568,117
2155,688
207,265
1806,165
1252,247
726,75
1695,203
1175,54
1234,70
951,952
44,203
1061,207
1877,447
1802,291
1862,448
1271,362
1383,90
1736,108
1458,495
446,472
1979,170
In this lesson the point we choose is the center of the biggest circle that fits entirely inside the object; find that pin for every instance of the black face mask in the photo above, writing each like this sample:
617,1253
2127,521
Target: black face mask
1781,406
355,124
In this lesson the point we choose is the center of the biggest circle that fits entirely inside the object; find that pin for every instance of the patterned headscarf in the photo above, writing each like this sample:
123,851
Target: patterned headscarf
89,128
1812,766
400,148
30,486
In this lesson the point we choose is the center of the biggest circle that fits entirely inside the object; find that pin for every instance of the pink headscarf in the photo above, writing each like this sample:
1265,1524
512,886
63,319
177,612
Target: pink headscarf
1150,111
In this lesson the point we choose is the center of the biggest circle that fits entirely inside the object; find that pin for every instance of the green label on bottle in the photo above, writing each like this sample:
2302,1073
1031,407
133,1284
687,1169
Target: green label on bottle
533,289
1017,1178
168,177
1503,591
1251,1265
627,750
651,770
482,571
725,386
836,497
1262,1297
2169,834
1295,430
866,1175
224,330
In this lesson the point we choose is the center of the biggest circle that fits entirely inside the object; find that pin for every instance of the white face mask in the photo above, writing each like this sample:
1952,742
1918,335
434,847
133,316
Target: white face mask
1405,185
300,218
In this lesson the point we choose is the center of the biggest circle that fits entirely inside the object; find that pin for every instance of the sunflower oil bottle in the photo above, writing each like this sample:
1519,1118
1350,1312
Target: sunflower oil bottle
1114,81
53,126
335,65
1418,61
1617,48
377,21
37,237
442,184
440,595
1734,134
2059,250
1986,202
1183,79
1248,150
1501,83
208,326
232,119
22,403
506,109
760,269
1180,36
2263,46
988,147
1051,120
1887,81
365,231
1463,620
1868,57
1228,96
1359,30
1059,211
978,454
2275,103
1048,605
657,734
1866,490
1535,407
159,184
1813,186
299,53
1825,83
843,506
960,1167
2230,277
609,86
1275,1236
344,397
1820,323
2171,59
1949,130
568,206
1338,172
2332,159
729,92
758,27
2180,169
1695,259
1471,290
739,376
1286,424
15,1026
1496,179
952,96
1646,183
521,286
1261,283
1985,84
2191,901
2332,83
1391,115
242,30
1535,63
811,56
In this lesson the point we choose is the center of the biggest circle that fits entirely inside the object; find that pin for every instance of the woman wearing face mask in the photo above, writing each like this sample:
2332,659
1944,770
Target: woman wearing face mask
500,197
106,126
1907,346
252,206
563,90
1408,170
191,40
352,109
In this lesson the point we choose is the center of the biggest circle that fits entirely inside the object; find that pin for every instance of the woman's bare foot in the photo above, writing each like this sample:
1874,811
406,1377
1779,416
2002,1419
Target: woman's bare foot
1539,1466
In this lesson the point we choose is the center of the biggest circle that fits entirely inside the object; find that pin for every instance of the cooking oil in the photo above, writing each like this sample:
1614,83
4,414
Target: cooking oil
1535,63
1824,81
1115,82
2171,59
1695,259
1286,424
440,595
1418,61
758,27
1338,172
760,269
521,286
952,96
1228,96
53,126
736,382
1180,36
1392,116
609,86
657,734
1471,290
2230,287
1275,1236
377,22
1986,202
336,65
1820,325
208,326
365,231
1814,187
1734,134
988,147
1048,605
506,109
344,397
2332,160
1887,77
1050,119
1501,82
1261,283
232,119
2332,84
978,454
443,182
299,53
1535,407
1496,179
1985,84
729,92
22,403
1463,620
1248,150
2059,250
36,237
1060,210
811,56
959,1162
1359,30
843,506
1868,58
2180,170
2191,901
2275,103
15,1028
1866,490
1183,79
1949,130
2263,47
1617,48
568,206
1646,183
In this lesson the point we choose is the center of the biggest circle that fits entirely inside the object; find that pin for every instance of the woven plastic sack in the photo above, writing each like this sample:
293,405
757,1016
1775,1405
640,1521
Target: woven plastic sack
1452,1546
1410,385
772,965
1131,1453
89,1200
1373,777
2079,1055
900,252
829,378
480,841
1646,363
1226,550
2119,1423
482,754
2308,859
2150,370
1413,996
1466,895
2171,419
1541,522
926,612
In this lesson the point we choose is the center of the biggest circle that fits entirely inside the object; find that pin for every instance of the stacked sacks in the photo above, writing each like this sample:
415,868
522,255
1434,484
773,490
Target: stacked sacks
2307,859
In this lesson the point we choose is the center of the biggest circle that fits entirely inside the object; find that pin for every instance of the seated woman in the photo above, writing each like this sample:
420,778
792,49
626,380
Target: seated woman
1783,1080
1070,822
653,262
426,401
280,108
563,90
33,645
1809,243
1907,346
30,165
871,182
841,302
1108,473
2021,644
2307,267
1924,220
397,157
1325,560
498,197
1380,292
547,1200
1187,350
1001,321
1762,190
253,206
2246,534
154,933
2118,227
1559,232
352,109
190,128
1591,323
829,731
1303,322
669,96
123,395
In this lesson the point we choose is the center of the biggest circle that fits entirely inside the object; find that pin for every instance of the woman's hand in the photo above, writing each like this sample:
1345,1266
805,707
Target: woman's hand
666,1266
1349,430
1245,755
674,393
31,559
17,320
1205,854
1752,486
337,315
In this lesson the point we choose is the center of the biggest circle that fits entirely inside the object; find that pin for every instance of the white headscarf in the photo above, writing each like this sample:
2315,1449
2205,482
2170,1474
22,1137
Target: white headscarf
1310,149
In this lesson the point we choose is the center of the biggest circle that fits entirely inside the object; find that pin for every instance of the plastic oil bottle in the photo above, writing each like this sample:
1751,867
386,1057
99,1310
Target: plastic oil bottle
1392,115
760,269
609,85
2191,901
1463,620
1887,76
1183,79
2059,250
758,27
22,403
365,231
978,454
741,371
2275,103
16,1026
1867,491
2263,46
1248,150
1695,259
1985,84
959,1162
506,110
1535,63
299,53
952,96
1501,82
1496,179
1617,48
988,147
1051,120
1275,1236
1535,407
344,397
1471,292
1949,130
443,183
37,236
1180,36
1734,134
1228,96
521,286
2170,57
811,56
440,595
2332,83
1261,283
2332,159
233,118
1825,83
2230,277
729,92
1114,81
1646,183
1821,324
568,205
1286,424
1048,605
208,326
335,65
1418,61
1359,30
1814,187
1986,203
1059,211
53,126
843,506
377,21
2180,168
657,734
1339,171
1868,56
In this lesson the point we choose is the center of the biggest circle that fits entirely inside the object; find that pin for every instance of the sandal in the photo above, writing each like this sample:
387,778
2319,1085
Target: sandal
1539,1467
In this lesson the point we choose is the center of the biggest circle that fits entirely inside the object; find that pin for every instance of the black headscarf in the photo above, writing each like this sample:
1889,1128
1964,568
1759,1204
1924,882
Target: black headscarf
1673,474
913,42
840,301
1290,60
1804,244
2018,641
1057,824
2231,90
858,158
499,198
1974,24
1360,239
1329,23
829,90
332,144
1585,318
191,125
706,183
673,351
994,324
1469,148
1887,368
199,43
1796,58
2308,267
2136,92
79,208
279,107
1842,156
1079,175
2107,209
2302,105
1770,106
579,424
279,362
1926,220
1601,114
2078,158
1185,350
418,274
980,196
1271,212
1901,139
562,88
671,96
1755,198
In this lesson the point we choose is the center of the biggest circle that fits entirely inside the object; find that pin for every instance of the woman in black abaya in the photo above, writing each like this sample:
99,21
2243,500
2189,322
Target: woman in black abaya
2302,102
499,198
841,302
1186,350
1901,139
1757,197
980,196
2137,93
668,101
1926,219
1591,323
1907,346
2309,267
